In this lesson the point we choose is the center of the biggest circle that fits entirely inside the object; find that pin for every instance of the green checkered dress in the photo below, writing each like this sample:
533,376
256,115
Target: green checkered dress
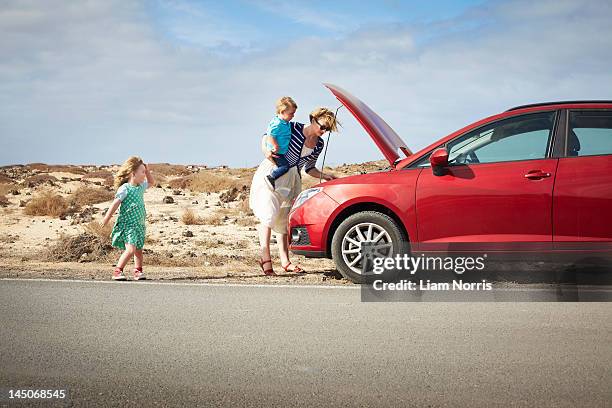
130,225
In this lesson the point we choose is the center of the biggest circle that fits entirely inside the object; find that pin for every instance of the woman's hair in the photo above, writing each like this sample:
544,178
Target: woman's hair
285,103
126,170
326,118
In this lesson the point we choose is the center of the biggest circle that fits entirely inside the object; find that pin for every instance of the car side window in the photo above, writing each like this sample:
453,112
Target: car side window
589,133
524,137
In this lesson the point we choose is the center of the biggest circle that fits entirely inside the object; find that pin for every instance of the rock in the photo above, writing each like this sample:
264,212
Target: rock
191,254
173,219
22,203
168,200
14,192
84,257
188,234
194,202
225,218
177,192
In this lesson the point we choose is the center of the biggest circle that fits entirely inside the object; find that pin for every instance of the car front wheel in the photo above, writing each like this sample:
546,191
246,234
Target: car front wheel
368,228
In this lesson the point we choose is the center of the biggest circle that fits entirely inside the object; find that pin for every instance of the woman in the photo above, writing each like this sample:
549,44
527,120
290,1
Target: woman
272,207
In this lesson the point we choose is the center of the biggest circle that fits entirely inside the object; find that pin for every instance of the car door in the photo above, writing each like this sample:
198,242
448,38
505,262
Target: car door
582,198
496,191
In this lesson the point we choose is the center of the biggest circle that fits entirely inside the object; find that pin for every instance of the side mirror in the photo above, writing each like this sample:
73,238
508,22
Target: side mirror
439,161
439,158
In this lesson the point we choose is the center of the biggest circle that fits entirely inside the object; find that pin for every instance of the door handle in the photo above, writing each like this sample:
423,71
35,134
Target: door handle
536,175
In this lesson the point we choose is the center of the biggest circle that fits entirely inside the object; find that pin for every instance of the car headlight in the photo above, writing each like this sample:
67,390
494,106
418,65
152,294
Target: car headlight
305,196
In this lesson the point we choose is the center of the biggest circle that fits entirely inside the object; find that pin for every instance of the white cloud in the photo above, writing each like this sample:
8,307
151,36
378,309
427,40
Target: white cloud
95,81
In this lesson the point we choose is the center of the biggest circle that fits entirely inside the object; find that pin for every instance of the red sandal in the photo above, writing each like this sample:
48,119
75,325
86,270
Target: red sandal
267,272
295,269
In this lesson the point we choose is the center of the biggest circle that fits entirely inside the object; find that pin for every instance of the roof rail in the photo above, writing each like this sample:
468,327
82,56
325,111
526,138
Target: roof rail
555,103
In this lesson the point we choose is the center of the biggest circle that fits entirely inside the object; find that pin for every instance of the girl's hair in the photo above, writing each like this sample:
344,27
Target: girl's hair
326,118
285,103
126,170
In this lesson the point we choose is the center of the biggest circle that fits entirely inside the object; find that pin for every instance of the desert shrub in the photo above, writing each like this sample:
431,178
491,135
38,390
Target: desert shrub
38,166
70,248
101,232
166,169
85,195
39,179
180,183
7,188
189,217
248,221
243,206
215,219
208,181
47,203
105,175
66,169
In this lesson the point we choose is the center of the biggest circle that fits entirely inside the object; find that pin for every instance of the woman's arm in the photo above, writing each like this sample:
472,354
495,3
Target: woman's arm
267,153
116,203
316,173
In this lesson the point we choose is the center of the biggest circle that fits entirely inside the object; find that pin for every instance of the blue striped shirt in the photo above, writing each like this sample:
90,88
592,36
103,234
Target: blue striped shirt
295,149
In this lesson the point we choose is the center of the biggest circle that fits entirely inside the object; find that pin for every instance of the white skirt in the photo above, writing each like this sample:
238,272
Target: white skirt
272,207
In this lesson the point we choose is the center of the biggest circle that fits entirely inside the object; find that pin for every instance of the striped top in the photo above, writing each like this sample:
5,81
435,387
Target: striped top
295,149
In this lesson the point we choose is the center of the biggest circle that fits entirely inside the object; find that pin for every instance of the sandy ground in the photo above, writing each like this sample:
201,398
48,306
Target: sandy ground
226,251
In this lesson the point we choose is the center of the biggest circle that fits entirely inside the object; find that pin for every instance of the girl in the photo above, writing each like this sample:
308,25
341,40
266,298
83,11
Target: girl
131,181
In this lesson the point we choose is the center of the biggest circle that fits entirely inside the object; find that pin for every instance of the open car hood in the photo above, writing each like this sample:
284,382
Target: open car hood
389,142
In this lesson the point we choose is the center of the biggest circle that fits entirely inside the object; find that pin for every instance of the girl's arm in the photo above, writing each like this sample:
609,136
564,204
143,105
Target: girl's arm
116,203
150,178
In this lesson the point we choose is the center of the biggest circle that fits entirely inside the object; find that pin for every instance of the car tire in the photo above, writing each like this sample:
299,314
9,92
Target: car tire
347,232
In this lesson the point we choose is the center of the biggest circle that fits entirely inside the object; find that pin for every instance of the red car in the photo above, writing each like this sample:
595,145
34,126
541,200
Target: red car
534,179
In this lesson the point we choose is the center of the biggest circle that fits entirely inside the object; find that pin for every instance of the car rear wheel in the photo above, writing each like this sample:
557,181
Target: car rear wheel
371,228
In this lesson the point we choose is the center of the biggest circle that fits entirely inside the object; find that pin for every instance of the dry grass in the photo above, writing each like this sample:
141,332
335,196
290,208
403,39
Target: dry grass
39,179
209,181
6,179
166,169
70,248
47,203
102,233
7,188
189,217
216,219
105,175
85,195
66,169
38,166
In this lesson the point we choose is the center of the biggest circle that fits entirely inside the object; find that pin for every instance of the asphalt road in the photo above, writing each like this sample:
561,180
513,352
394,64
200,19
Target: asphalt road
148,344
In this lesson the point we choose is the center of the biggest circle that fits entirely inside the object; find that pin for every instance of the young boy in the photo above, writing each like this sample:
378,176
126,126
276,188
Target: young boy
278,136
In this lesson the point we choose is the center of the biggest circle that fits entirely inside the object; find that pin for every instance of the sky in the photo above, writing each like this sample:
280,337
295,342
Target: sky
195,82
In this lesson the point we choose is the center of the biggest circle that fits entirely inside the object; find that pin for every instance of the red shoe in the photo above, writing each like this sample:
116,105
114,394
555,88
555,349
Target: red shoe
139,274
118,275
295,269
267,272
